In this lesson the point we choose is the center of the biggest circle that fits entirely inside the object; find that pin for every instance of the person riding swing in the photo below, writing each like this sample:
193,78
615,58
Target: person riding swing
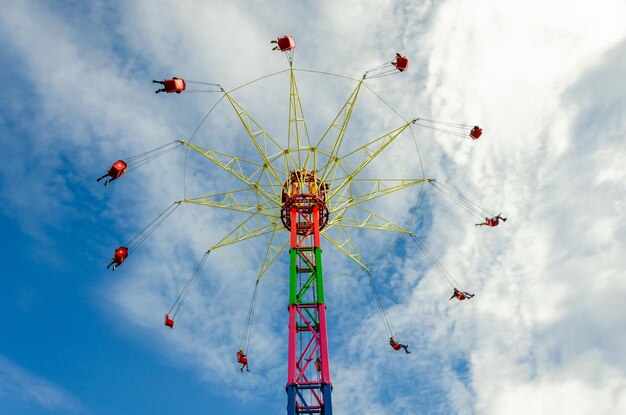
492,221
460,295
397,346
243,360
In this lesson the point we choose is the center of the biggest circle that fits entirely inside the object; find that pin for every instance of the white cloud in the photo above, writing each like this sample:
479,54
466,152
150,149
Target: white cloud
538,78
542,328
18,384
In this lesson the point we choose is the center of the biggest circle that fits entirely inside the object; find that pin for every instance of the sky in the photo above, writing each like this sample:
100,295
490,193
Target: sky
543,334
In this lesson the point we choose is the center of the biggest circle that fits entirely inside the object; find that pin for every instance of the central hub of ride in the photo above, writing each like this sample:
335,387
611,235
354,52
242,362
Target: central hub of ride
304,191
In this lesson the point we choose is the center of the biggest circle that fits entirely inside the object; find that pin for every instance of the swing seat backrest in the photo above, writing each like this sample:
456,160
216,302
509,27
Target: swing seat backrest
286,43
117,169
476,133
241,359
174,85
402,63
121,254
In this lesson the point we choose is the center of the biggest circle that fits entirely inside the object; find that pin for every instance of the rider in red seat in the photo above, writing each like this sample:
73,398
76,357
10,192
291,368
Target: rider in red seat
243,360
476,132
461,295
397,346
284,44
401,63
115,172
119,257
492,221
177,85
318,364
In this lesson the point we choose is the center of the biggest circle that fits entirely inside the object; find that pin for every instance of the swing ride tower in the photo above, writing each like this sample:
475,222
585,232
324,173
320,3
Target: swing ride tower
314,190
304,213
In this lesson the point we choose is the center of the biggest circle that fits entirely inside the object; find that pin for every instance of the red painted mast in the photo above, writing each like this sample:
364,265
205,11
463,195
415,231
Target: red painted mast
304,214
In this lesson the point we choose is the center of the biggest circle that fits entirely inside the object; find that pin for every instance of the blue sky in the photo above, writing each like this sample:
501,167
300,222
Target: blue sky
543,334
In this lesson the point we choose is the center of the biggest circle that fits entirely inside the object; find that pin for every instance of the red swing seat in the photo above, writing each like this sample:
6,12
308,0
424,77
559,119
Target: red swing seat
402,63
120,255
117,169
168,321
286,43
177,85
476,132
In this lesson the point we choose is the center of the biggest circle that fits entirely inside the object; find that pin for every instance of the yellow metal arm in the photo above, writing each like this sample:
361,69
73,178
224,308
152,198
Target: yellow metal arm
263,142
338,236
362,218
363,190
274,249
297,129
244,200
255,225
368,152
339,127
235,166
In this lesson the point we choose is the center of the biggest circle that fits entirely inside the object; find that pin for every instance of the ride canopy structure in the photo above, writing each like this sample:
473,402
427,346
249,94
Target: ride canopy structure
301,192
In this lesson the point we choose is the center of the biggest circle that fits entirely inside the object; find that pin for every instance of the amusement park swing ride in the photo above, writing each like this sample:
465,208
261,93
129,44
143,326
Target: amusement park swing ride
313,191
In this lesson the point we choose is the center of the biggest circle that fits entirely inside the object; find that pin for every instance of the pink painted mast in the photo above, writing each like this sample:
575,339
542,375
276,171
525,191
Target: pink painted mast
304,213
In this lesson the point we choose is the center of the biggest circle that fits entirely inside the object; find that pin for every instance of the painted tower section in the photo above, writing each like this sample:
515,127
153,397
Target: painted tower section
304,214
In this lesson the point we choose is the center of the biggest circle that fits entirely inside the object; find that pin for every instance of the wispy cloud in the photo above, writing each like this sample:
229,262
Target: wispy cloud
544,322
17,383
541,320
